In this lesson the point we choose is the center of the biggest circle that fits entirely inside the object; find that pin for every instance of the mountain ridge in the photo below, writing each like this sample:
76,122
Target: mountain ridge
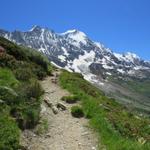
76,52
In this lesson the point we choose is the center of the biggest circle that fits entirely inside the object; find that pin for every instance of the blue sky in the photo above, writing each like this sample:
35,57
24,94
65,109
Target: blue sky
121,25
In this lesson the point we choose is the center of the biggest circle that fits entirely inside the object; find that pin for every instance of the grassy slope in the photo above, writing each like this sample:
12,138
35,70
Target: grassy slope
140,86
118,129
20,70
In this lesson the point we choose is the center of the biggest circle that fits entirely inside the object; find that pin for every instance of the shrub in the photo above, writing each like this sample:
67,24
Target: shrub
26,115
7,60
34,89
13,49
39,72
30,117
23,74
38,59
77,111
8,95
70,99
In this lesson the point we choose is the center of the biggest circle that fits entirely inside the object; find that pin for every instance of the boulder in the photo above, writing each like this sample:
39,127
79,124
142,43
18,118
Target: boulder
47,101
61,106
55,109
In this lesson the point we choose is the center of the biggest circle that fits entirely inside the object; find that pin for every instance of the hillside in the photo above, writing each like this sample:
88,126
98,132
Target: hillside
117,126
125,77
20,91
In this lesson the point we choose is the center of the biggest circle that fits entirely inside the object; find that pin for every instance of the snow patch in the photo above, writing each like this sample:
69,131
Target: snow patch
62,58
121,71
55,65
107,67
83,62
65,51
69,31
108,73
77,37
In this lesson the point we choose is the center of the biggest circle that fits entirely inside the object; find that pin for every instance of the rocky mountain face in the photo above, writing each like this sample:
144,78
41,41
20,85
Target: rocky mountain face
125,77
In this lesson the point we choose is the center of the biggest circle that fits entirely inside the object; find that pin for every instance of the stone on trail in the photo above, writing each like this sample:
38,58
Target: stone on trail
47,101
61,106
54,109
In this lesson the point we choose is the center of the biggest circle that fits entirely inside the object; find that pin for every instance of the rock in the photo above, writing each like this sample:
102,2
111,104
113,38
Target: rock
54,81
93,148
54,109
85,133
79,144
48,135
47,101
61,106
57,75
43,109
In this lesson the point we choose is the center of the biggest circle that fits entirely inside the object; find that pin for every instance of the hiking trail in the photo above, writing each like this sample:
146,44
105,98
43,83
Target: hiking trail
64,132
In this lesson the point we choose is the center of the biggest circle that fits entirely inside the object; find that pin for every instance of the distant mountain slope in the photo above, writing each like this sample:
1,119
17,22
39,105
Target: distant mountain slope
122,76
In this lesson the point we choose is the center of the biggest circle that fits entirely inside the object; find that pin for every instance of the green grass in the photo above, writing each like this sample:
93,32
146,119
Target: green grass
141,86
70,99
9,131
42,127
7,78
77,111
118,128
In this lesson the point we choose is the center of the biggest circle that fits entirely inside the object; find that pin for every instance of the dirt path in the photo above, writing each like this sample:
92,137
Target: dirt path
64,131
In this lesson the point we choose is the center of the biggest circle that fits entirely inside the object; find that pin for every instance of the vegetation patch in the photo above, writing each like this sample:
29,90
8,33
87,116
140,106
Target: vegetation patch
118,128
70,99
9,133
77,111
42,127
20,91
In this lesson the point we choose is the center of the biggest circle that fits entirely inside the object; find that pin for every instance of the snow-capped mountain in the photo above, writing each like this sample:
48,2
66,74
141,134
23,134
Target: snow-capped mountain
75,51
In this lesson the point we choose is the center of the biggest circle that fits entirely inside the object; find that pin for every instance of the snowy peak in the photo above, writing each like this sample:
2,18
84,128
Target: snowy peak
73,32
131,56
74,51
128,57
73,48
69,32
75,36
35,28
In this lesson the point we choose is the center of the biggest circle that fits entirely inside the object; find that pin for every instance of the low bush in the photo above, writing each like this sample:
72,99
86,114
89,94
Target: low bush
33,89
39,72
23,74
8,95
70,99
77,111
7,61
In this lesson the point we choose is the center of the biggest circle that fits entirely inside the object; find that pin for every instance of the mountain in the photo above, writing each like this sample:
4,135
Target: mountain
125,77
